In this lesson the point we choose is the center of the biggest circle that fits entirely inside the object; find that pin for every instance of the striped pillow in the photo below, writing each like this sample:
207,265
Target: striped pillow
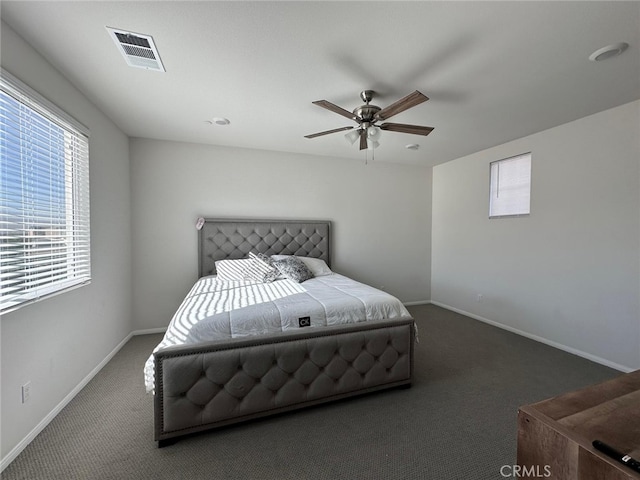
260,268
232,269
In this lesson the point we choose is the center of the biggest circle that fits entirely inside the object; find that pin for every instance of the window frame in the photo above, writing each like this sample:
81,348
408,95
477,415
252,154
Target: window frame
493,216
70,261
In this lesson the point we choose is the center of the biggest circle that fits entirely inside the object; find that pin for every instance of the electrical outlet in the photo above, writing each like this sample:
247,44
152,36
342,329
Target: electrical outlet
26,392
480,298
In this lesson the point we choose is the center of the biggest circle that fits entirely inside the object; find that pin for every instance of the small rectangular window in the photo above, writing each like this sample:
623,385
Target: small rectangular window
44,197
510,187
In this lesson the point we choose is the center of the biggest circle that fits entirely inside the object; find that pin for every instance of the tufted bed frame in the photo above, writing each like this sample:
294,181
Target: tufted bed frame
322,364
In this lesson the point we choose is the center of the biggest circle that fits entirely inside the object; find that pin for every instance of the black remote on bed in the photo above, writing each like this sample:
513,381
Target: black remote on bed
615,454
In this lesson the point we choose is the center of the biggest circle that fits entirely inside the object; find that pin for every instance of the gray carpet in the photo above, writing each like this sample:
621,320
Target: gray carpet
458,421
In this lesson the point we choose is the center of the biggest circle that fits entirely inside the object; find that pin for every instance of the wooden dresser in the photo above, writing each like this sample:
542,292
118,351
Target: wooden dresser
555,435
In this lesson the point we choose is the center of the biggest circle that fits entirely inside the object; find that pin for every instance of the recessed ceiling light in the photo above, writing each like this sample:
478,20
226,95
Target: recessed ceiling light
412,146
218,121
608,52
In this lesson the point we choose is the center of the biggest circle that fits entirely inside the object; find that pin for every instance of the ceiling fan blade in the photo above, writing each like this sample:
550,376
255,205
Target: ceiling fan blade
335,109
363,139
411,100
319,134
401,127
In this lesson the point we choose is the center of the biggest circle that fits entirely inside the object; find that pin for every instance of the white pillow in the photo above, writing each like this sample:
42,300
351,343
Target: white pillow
233,269
317,266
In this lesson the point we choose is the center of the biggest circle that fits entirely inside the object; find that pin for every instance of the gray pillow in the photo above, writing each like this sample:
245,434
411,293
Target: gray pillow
294,269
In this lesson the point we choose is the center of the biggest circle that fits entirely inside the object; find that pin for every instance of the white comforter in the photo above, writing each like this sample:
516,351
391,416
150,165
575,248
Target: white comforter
218,310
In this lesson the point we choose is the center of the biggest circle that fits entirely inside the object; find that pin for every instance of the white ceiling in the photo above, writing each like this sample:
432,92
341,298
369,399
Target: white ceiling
494,71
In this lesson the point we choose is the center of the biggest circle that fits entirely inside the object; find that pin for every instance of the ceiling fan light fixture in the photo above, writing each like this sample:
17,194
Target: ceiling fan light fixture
373,132
366,116
352,136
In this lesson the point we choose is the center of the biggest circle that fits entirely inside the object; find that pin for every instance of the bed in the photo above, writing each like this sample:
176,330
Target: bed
241,349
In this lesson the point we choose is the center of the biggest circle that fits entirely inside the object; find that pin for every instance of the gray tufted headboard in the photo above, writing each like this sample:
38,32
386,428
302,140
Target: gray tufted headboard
221,239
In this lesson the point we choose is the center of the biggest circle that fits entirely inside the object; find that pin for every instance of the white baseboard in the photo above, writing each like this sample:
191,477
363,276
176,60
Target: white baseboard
419,302
149,331
11,456
551,343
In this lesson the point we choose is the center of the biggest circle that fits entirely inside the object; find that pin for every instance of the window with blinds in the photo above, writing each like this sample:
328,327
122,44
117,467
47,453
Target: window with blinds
510,187
44,197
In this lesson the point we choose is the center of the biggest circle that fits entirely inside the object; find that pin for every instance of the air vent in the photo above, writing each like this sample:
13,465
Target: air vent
137,49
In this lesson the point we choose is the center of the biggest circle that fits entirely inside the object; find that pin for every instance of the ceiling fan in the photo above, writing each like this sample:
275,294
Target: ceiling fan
367,116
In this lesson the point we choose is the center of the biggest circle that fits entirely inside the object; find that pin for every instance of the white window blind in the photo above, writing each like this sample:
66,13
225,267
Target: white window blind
44,197
510,186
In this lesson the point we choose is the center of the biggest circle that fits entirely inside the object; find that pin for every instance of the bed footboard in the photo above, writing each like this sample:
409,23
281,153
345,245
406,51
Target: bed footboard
204,386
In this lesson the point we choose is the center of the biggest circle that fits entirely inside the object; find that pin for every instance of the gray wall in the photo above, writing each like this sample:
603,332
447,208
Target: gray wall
568,274
381,215
56,343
